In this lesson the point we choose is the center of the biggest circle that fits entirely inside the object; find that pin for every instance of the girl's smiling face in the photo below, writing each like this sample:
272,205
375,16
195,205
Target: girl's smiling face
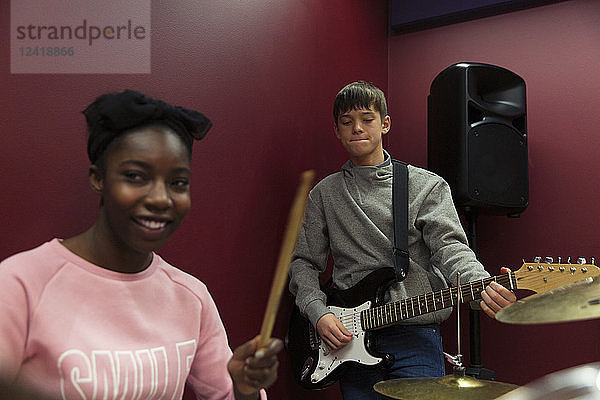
145,189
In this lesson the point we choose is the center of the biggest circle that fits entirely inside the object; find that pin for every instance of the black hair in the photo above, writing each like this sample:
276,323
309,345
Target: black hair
112,114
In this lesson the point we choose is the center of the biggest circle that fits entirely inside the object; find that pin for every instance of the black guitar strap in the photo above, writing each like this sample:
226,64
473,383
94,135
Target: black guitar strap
400,209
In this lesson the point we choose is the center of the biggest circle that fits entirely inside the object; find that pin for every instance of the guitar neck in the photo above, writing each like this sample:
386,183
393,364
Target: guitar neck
537,277
392,313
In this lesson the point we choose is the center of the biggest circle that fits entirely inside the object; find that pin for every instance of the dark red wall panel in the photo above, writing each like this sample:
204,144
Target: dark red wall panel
556,50
266,73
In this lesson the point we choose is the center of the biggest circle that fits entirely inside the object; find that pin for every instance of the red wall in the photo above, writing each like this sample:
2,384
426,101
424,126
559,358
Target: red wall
556,49
266,73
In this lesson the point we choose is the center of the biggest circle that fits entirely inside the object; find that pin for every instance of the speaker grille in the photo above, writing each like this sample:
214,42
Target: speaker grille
496,157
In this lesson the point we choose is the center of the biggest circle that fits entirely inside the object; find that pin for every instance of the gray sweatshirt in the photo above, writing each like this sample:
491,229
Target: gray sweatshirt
349,215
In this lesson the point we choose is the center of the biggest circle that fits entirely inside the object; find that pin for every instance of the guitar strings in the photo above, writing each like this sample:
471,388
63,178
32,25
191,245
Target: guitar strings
391,313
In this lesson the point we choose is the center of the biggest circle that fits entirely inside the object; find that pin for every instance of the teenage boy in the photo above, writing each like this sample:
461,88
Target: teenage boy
349,216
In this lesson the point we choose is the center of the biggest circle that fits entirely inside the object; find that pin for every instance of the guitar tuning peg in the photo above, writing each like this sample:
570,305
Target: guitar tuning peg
581,260
549,260
593,262
537,259
559,259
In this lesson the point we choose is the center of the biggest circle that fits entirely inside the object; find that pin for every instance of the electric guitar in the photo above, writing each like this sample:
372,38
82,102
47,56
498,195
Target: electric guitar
361,311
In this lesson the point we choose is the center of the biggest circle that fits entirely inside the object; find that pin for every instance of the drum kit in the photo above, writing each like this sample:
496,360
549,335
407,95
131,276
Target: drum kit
573,302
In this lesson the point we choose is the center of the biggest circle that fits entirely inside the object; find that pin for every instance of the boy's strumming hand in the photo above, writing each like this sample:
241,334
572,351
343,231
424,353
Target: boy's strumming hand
333,333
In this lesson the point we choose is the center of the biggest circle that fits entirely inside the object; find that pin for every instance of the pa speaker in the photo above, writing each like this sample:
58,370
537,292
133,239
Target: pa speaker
477,136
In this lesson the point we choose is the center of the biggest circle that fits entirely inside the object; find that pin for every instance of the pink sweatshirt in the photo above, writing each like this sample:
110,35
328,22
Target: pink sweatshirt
74,330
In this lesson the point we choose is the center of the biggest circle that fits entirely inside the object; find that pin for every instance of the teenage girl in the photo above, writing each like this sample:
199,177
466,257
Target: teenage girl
101,315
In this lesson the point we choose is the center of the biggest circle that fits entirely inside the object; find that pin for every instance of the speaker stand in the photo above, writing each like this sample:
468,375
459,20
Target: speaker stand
475,368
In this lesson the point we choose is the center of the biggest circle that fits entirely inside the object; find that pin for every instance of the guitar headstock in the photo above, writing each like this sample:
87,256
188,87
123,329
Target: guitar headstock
543,276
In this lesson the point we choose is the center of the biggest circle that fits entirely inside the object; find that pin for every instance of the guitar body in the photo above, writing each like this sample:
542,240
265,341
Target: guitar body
314,365
361,310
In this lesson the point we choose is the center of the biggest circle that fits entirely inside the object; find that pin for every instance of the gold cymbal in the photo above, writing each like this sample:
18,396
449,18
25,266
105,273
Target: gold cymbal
573,302
448,387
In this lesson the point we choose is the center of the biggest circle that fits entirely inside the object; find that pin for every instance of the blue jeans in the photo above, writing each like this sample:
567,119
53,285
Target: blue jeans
418,353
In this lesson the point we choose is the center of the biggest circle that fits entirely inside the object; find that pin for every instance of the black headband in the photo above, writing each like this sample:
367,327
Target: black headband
111,114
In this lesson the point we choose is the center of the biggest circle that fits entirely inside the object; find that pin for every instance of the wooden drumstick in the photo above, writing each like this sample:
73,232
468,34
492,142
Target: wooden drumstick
285,256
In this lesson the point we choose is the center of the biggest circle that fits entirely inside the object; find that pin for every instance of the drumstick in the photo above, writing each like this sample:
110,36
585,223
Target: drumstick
285,256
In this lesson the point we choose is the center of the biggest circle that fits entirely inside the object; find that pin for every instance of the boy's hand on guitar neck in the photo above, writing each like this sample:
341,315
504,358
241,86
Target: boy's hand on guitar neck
495,297
332,332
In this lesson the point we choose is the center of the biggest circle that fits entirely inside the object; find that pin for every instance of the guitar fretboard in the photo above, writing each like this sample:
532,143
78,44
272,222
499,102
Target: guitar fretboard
391,313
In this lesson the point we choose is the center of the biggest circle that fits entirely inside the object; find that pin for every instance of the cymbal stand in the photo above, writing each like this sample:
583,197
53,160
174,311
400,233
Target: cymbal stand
456,361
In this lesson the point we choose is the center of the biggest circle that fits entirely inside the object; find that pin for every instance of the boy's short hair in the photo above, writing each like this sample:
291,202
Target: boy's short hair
357,95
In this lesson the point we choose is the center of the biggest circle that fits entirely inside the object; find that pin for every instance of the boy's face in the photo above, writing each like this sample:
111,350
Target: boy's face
360,132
